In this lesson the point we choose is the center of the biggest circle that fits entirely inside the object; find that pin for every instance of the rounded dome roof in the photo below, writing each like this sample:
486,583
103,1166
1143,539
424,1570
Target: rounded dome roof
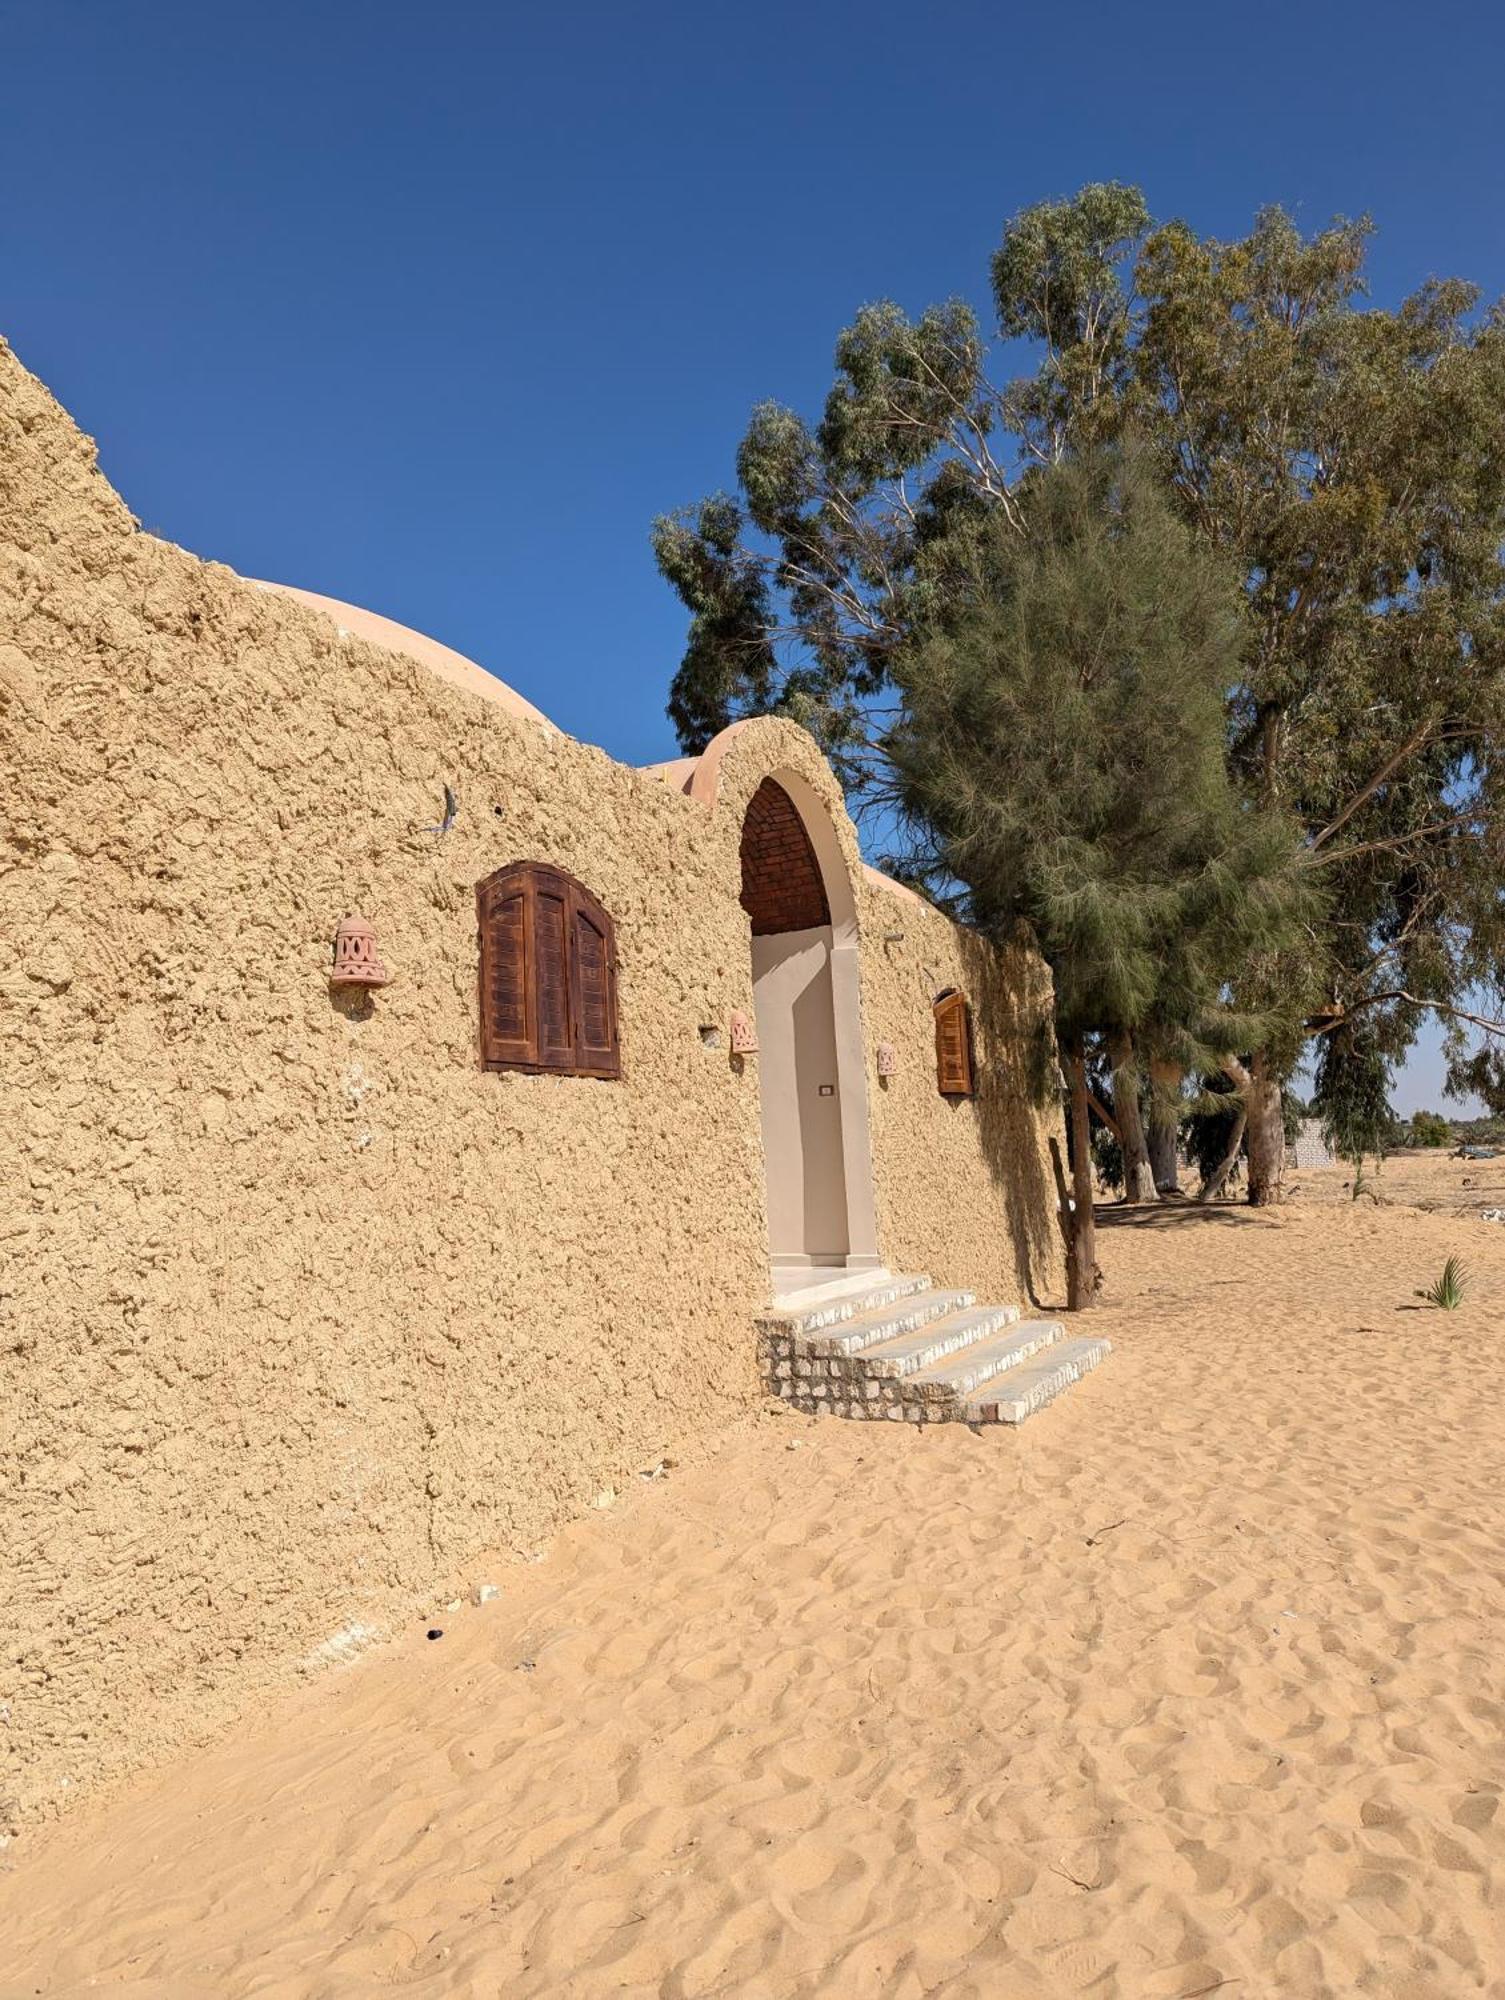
442,660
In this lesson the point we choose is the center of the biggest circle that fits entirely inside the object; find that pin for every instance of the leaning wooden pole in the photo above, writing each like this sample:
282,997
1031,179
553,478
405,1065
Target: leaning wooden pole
1081,1250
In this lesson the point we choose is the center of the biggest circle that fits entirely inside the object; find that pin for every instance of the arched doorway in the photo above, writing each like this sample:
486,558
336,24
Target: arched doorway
811,1072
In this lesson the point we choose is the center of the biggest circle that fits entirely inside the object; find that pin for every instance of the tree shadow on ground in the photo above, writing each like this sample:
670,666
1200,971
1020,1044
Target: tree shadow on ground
1172,1214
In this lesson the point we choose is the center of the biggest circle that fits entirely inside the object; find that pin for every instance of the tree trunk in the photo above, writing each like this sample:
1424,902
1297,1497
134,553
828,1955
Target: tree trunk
1081,1261
1267,1136
1139,1177
1165,1124
1261,1093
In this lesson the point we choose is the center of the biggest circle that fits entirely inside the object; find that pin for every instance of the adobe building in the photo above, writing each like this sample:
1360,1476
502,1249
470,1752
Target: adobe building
416,1121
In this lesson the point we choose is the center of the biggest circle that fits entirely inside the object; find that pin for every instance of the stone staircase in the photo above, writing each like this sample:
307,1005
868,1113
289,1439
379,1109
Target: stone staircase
890,1347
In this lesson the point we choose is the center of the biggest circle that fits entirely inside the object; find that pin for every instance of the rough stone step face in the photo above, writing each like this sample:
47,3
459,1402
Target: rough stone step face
948,1336
1018,1392
795,1318
954,1379
850,1338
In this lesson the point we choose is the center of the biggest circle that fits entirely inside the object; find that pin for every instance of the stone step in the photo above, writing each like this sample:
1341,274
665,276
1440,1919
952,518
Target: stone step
1018,1392
954,1379
791,1316
907,1354
853,1338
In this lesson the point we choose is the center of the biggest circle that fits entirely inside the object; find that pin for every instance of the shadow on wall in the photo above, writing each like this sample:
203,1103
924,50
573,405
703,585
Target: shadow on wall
1017,1094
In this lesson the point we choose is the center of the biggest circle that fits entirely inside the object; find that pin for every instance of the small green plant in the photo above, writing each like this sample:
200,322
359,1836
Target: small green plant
1449,1288
1360,1185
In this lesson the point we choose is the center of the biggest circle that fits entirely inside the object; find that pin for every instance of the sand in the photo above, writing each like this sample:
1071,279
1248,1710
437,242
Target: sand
1429,1179
1196,1684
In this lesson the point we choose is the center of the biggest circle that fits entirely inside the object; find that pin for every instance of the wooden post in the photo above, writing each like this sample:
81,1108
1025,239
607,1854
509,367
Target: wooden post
1082,1276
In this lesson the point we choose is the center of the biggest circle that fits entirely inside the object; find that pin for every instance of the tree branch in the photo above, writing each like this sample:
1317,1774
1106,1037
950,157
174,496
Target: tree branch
1398,840
1236,1073
1386,770
1327,1024
1105,1116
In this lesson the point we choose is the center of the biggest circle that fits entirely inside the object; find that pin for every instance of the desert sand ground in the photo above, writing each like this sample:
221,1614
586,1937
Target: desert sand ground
1431,1180
1194,1685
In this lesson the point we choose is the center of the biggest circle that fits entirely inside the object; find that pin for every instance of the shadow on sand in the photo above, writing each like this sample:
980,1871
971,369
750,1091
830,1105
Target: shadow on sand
1172,1214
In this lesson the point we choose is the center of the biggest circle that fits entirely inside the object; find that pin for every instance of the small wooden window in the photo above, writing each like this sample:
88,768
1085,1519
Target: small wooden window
548,974
953,1045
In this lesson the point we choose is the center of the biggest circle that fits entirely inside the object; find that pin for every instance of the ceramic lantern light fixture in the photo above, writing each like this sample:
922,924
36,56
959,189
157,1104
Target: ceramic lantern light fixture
888,1059
356,962
744,1035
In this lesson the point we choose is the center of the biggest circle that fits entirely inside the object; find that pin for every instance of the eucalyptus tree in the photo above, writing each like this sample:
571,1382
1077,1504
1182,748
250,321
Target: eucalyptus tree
1348,461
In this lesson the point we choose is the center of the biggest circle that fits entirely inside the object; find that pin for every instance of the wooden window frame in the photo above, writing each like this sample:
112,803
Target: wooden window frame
947,1005
523,883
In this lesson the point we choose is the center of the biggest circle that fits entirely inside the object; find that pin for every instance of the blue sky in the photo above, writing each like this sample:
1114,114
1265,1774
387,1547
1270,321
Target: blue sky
433,308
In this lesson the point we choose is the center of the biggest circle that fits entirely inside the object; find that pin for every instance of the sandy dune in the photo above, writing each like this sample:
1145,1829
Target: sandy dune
1195,1685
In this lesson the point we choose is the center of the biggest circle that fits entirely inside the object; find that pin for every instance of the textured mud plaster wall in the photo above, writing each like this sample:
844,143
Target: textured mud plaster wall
299,1311
964,1185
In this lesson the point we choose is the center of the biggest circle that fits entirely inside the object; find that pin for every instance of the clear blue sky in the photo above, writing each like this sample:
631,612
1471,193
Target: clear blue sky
432,307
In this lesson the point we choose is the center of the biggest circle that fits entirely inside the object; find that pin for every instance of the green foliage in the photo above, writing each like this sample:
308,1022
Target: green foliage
1449,1289
729,655
1430,1128
1341,455
1294,1113
1059,747
799,592
1352,1094
1059,280
1480,1074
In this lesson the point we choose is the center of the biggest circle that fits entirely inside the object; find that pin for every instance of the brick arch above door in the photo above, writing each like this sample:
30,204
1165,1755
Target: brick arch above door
782,887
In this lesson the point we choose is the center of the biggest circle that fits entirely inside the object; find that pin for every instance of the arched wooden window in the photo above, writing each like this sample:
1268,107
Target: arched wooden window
548,974
953,1045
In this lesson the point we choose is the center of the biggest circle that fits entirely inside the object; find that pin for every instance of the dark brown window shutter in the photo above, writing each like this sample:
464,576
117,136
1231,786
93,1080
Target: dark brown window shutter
548,974
551,937
509,1032
593,963
953,1046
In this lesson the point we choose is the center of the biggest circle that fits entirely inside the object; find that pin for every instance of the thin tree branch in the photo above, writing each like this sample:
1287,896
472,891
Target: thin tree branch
1387,770
1399,840
1327,1024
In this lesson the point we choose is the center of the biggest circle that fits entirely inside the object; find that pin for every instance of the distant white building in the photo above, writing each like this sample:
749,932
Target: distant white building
1310,1148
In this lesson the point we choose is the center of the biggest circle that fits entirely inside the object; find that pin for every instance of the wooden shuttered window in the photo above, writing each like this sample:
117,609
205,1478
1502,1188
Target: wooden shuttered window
953,1046
548,974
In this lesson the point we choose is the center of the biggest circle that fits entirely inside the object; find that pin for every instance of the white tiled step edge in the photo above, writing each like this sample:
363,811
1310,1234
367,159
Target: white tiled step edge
968,1327
951,1380
789,1316
1019,1392
889,1323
